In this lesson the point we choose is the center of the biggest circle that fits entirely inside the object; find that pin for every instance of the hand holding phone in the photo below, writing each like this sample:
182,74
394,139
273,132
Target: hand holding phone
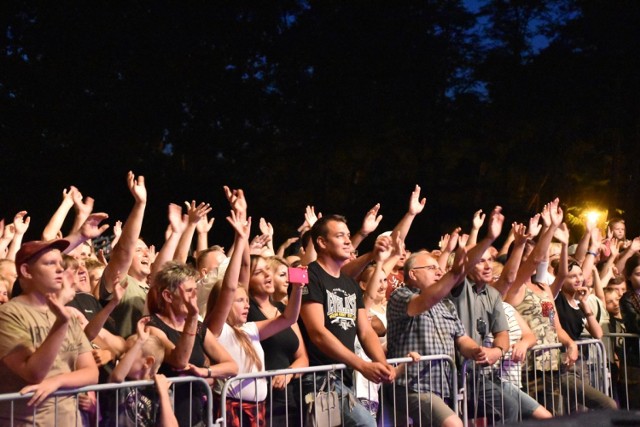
298,275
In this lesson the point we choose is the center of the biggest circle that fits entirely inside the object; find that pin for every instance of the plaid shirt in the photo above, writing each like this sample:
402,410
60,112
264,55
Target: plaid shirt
431,332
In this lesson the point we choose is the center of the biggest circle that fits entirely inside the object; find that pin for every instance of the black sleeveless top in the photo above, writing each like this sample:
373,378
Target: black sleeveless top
184,405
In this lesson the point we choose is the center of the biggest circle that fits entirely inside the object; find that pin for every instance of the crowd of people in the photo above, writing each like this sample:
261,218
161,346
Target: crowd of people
70,317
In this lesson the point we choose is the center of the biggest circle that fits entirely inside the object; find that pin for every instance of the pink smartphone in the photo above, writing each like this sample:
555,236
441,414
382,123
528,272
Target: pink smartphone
298,275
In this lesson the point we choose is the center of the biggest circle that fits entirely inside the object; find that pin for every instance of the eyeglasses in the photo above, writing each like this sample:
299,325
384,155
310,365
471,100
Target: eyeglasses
428,267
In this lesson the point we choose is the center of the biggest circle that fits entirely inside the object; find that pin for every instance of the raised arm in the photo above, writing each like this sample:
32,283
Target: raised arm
195,213
267,230
633,249
54,225
416,205
218,315
369,224
381,252
270,327
448,245
177,225
90,229
123,253
589,259
83,208
554,214
203,227
21,225
436,292
510,271
562,234
478,220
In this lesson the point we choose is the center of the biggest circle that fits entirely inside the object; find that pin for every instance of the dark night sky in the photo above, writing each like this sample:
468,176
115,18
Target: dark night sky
336,109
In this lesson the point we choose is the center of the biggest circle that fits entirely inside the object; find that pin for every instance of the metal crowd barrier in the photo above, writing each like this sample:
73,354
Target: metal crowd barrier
99,390
625,374
387,416
489,397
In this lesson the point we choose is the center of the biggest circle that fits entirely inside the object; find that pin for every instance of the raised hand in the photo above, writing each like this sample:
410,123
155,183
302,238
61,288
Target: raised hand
371,220
21,223
545,215
415,204
258,242
562,234
117,229
635,244
452,241
382,249
459,261
90,228
68,196
177,222
83,206
240,226
310,216
265,227
137,187
478,219
197,212
520,234
236,200
463,239
555,211
119,288
9,232
205,224
190,301
534,225
58,309
496,219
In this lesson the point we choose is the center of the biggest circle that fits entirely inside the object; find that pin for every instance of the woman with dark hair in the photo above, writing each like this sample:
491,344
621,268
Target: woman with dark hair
630,309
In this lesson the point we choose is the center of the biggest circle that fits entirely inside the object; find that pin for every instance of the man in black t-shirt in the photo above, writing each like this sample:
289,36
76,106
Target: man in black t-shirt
333,314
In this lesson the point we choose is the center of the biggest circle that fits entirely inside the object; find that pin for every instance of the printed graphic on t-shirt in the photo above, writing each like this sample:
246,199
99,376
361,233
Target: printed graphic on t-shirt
341,308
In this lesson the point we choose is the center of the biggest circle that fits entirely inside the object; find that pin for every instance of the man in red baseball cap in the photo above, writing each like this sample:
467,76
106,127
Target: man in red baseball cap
42,347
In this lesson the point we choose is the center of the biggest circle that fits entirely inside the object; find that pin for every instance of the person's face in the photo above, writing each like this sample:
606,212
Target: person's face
425,271
83,282
574,279
239,308
260,282
281,280
337,243
612,302
381,291
635,278
140,265
482,272
4,293
178,304
94,276
81,252
69,285
619,230
46,273
211,262
620,288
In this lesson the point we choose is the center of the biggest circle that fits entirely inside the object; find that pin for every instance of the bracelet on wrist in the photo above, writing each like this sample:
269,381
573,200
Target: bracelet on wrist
591,253
208,372
189,333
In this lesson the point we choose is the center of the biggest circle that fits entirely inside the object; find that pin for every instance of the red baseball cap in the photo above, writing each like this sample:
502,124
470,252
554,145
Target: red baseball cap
35,249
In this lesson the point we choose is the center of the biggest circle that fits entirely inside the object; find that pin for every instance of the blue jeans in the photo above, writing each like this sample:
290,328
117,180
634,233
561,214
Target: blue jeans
354,414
